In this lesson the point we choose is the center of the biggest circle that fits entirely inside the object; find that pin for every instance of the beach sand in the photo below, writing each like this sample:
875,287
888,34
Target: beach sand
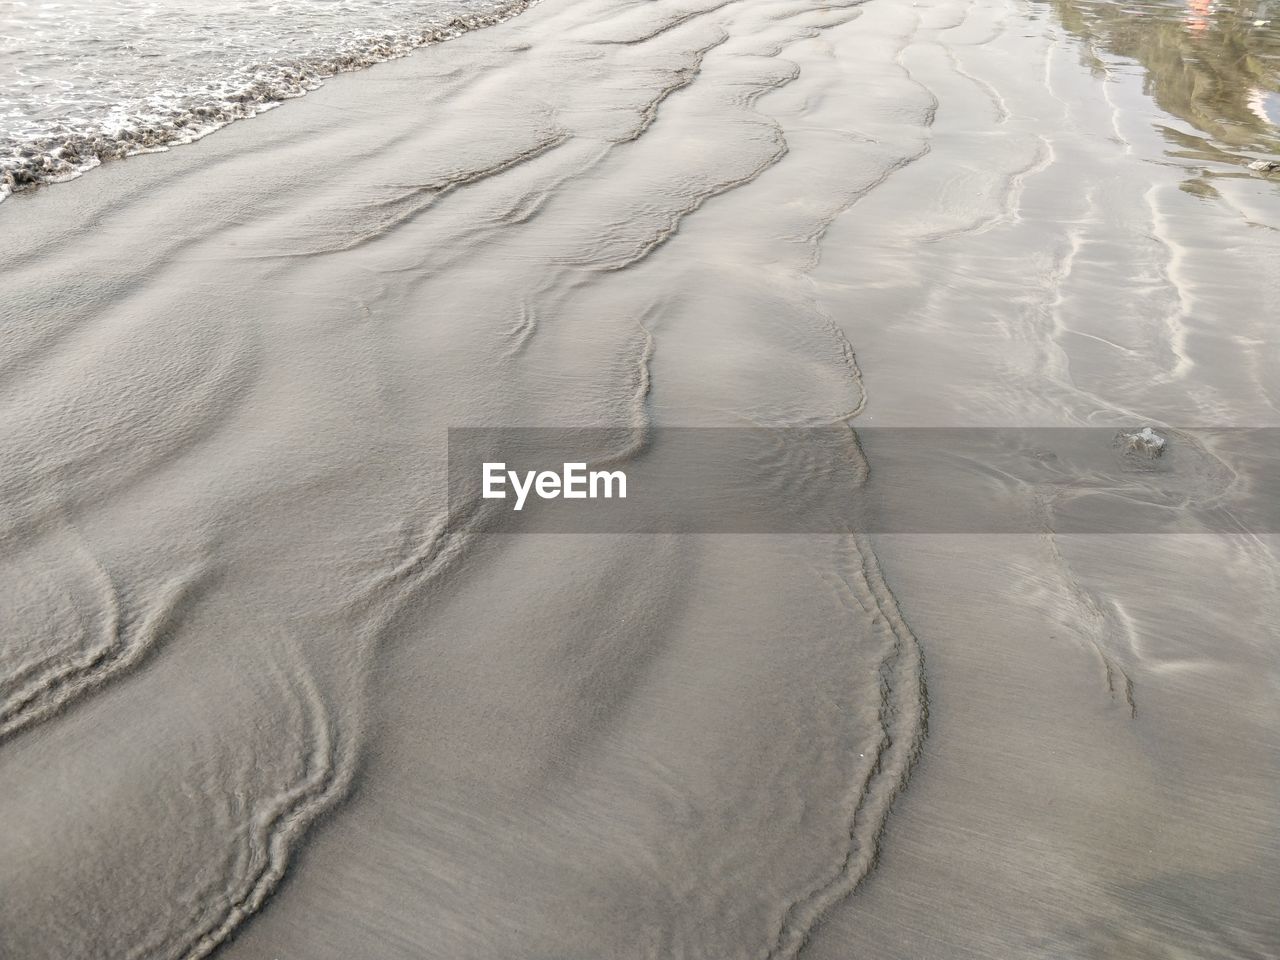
260,701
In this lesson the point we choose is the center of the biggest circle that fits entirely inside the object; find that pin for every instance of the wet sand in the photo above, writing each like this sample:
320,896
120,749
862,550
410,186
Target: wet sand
260,700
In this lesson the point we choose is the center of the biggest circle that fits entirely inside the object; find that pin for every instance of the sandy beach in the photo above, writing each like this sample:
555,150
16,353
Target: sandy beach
261,696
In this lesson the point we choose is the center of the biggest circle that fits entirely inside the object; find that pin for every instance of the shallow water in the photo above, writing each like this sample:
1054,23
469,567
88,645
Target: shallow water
1214,66
84,81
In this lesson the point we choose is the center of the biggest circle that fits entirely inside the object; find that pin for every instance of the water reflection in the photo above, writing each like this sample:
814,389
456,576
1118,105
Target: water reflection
1213,63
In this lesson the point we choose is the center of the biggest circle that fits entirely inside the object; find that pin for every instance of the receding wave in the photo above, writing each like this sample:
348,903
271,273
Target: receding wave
51,151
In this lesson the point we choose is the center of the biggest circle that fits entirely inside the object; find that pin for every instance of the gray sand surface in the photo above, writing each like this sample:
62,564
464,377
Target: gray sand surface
258,700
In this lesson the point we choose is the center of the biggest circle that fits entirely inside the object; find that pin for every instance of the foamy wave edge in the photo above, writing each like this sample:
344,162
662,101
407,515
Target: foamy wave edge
61,158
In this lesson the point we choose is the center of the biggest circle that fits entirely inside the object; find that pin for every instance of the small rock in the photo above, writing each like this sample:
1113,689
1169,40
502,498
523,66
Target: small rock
1265,166
1145,443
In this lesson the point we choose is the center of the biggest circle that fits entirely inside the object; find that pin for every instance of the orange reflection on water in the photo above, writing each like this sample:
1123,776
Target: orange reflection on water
1198,13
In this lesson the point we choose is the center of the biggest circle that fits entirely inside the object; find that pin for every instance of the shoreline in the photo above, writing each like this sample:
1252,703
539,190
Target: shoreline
61,158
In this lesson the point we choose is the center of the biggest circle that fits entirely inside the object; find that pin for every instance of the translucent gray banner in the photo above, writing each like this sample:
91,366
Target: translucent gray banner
873,480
